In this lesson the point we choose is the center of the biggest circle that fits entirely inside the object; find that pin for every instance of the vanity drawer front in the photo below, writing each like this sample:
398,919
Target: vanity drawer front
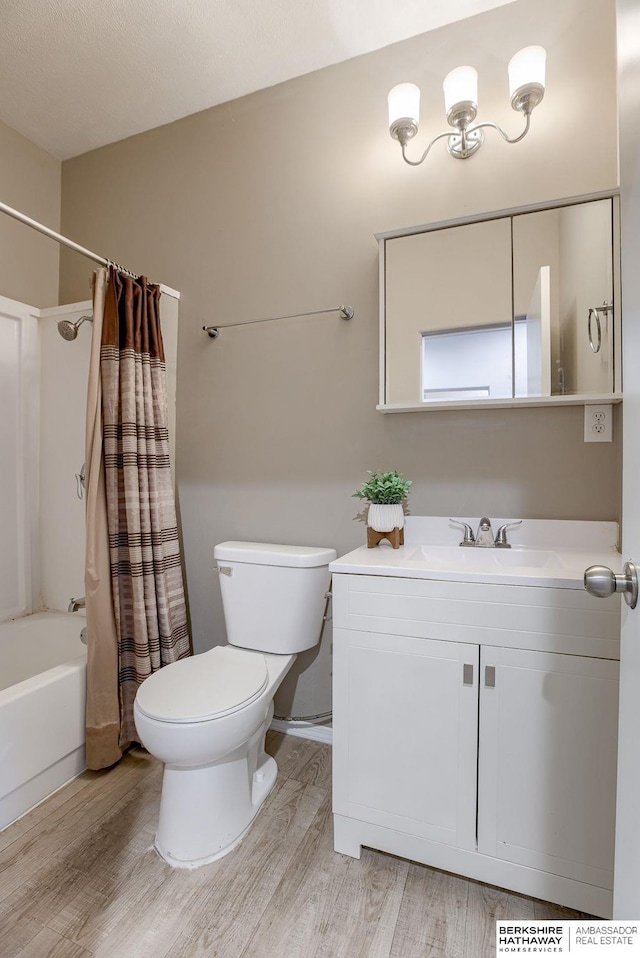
525,617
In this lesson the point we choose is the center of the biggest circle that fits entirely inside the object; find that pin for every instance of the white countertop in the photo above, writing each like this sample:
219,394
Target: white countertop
544,553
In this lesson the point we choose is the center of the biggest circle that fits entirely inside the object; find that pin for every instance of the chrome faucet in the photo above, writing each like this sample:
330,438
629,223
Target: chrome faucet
75,604
484,538
484,535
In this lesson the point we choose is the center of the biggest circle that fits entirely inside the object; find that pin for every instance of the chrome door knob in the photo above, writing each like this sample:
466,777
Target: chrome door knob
602,582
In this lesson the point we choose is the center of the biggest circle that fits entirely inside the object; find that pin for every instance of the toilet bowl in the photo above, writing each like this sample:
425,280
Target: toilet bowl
206,717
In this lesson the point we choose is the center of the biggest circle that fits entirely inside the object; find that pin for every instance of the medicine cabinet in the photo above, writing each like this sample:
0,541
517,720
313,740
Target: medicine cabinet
518,307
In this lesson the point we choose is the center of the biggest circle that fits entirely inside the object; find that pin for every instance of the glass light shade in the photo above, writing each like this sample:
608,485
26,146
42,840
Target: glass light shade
404,103
460,86
527,66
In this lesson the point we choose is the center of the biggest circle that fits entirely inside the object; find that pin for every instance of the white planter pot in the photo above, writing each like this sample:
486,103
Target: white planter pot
384,517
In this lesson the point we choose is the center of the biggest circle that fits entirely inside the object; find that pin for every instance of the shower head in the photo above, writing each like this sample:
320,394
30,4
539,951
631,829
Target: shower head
69,330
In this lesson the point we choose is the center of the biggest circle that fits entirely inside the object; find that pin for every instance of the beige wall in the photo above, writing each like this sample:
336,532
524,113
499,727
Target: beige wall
30,183
61,514
269,205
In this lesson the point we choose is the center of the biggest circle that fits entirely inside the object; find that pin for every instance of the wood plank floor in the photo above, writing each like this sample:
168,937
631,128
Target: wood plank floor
79,877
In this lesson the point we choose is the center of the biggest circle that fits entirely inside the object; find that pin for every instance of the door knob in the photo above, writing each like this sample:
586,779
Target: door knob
601,581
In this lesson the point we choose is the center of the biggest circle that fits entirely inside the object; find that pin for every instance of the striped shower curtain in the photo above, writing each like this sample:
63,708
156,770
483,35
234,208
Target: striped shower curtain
146,624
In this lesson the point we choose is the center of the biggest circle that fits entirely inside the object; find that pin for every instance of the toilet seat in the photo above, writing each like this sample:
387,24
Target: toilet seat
205,686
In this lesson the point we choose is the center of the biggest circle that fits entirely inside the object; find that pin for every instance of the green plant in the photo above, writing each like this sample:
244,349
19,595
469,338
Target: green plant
388,488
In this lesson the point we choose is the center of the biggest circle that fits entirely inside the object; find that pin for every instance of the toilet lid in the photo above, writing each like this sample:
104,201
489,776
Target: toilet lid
204,686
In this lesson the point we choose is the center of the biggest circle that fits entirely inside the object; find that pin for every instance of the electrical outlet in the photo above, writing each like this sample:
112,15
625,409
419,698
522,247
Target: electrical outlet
598,423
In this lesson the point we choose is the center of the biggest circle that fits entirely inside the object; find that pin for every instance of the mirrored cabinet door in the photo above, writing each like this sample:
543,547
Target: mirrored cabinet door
515,307
570,314
449,327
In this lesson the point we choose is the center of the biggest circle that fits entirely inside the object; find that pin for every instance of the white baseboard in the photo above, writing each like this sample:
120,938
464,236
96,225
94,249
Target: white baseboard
317,733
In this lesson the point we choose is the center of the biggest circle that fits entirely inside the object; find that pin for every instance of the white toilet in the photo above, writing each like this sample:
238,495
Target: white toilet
206,716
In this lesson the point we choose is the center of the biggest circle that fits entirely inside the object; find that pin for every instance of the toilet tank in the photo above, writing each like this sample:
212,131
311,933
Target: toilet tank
273,596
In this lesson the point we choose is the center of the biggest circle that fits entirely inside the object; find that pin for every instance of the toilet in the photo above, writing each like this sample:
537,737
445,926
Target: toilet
206,717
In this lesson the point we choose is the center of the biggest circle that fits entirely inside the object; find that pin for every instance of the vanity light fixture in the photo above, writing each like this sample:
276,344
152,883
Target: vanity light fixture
526,88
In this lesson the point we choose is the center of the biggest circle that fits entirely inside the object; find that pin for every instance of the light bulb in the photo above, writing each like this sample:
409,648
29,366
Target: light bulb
460,86
404,103
527,76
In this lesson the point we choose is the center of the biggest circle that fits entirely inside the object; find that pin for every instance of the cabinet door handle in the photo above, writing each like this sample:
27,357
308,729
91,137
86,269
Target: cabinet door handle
467,674
489,676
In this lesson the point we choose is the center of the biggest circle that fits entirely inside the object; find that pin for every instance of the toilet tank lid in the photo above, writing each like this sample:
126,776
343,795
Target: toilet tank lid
265,553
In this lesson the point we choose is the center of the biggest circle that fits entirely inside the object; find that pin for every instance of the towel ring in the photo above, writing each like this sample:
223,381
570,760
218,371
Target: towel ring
595,347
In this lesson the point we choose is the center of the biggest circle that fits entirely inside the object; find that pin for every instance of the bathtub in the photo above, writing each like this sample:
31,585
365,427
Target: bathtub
42,702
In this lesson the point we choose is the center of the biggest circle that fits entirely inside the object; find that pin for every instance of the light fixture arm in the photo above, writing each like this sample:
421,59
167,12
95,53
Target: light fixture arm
466,136
505,136
447,133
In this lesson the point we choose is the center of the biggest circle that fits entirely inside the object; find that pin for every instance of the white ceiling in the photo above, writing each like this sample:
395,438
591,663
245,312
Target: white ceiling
77,74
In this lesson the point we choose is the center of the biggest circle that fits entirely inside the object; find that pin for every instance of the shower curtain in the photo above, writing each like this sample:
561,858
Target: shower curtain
136,613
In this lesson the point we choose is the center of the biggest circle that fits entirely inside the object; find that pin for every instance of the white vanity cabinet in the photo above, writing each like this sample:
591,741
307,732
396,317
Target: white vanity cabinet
475,730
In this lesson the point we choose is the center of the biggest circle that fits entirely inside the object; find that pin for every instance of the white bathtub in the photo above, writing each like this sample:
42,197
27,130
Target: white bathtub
42,705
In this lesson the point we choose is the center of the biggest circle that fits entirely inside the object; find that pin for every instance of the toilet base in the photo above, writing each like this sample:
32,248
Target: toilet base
177,863
206,812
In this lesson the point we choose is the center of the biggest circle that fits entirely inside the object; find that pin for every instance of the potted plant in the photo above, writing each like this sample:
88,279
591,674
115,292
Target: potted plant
385,492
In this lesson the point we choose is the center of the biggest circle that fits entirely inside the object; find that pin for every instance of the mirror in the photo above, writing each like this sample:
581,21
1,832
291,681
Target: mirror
513,308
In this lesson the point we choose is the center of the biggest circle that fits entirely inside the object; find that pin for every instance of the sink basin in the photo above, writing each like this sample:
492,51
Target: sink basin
526,558
454,557
545,554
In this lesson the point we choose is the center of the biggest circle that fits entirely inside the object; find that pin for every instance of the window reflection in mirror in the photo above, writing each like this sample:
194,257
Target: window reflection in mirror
501,308
468,363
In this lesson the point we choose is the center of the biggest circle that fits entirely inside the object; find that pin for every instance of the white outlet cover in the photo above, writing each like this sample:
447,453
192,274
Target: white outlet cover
598,423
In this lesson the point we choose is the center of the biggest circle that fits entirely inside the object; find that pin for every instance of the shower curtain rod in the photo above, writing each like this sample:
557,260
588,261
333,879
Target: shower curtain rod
46,231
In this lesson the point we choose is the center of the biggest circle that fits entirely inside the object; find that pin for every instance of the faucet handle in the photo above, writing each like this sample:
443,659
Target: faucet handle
468,539
501,534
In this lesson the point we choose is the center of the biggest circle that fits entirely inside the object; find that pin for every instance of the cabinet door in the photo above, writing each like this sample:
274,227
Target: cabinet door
547,762
405,734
